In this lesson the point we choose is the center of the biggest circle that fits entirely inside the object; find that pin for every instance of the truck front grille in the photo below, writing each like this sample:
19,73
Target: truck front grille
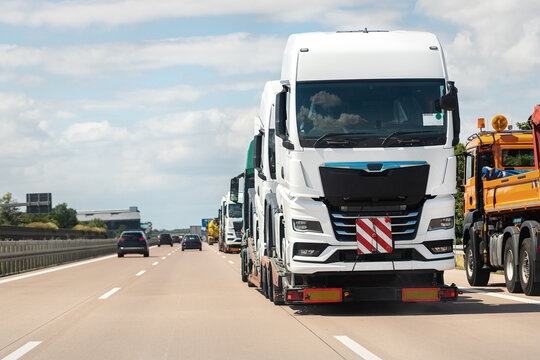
404,223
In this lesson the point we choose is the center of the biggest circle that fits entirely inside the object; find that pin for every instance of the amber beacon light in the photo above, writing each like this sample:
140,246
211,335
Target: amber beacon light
499,122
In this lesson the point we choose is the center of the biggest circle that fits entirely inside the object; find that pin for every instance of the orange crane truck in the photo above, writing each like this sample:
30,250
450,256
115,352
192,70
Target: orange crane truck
501,228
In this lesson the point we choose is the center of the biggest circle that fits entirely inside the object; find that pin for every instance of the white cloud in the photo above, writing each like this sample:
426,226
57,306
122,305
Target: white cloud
238,53
78,14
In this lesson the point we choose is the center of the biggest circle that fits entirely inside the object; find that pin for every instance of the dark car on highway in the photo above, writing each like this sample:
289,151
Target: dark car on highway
191,242
176,239
164,238
133,242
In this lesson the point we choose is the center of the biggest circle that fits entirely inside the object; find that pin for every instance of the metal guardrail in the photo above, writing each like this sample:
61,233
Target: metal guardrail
26,255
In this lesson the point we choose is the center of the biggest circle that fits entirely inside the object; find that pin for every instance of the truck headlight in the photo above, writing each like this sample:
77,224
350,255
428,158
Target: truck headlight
306,225
441,223
308,249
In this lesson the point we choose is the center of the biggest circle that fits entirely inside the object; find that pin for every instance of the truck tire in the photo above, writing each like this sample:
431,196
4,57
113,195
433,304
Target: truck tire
270,286
243,266
510,274
526,268
476,276
264,282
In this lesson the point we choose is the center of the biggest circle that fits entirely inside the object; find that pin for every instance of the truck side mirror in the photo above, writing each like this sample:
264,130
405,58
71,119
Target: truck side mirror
257,150
449,102
281,114
234,189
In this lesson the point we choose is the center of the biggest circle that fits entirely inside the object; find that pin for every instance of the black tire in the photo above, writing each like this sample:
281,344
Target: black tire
476,276
244,266
270,286
264,282
120,255
158,245
146,254
526,269
200,249
171,245
182,249
510,274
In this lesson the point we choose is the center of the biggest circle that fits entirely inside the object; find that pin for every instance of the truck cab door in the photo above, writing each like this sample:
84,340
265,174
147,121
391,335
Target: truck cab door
469,195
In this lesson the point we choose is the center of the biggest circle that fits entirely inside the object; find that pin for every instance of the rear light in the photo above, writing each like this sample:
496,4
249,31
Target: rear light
121,239
448,294
294,295
141,239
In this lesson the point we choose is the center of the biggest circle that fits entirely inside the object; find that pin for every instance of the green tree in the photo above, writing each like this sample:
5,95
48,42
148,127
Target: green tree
97,223
64,216
120,230
526,125
459,149
9,215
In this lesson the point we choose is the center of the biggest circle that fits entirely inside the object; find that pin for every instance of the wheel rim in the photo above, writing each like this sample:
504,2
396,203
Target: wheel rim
470,262
525,267
509,268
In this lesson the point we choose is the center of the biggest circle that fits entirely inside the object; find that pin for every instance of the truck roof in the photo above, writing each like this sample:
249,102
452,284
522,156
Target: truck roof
362,55
515,137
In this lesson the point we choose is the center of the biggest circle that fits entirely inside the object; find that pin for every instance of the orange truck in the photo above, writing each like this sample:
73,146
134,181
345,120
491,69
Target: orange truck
501,228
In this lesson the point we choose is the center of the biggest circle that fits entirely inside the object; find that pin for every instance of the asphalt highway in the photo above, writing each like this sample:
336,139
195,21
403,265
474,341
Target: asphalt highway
193,305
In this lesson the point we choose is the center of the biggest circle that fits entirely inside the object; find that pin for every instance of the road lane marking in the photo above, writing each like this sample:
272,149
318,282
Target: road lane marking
17,354
357,348
169,254
501,296
55,269
163,258
109,293
155,263
140,273
231,262
223,256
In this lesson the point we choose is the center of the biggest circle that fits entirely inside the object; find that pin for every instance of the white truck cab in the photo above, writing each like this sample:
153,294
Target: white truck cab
354,160
230,237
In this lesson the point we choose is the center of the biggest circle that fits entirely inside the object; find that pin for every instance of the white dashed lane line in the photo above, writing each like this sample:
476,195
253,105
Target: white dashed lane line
163,258
231,262
155,263
140,273
357,348
17,354
223,256
501,296
108,293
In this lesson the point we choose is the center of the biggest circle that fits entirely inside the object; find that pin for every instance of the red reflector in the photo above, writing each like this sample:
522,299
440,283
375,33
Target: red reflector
448,293
141,239
294,295
121,239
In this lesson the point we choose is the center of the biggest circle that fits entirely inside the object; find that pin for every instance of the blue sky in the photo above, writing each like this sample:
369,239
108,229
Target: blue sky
109,104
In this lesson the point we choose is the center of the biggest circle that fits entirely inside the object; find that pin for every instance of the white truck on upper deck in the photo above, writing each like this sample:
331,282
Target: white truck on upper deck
355,171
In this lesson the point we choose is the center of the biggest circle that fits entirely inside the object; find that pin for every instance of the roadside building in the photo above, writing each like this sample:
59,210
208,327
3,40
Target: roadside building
114,219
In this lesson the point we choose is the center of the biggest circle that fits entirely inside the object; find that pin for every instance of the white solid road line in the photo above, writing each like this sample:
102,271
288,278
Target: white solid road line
109,293
140,273
55,269
357,348
231,262
501,296
17,354
155,263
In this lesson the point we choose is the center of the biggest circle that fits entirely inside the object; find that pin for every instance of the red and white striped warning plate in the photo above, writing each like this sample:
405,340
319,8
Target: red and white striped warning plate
374,235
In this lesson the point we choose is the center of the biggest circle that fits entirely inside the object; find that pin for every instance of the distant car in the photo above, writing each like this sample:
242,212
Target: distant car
133,242
191,242
164,238
176,239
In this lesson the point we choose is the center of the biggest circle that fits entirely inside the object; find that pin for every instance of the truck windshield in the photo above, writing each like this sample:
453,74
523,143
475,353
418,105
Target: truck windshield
370,113
235,210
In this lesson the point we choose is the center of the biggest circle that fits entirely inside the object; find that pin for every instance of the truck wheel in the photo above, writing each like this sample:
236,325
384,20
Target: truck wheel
510,273
264,282
270,285
120,255
243,267
476,276
526,268
146,254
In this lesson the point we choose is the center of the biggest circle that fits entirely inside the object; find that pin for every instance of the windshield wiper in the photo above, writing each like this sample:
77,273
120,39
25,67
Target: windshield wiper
395,133
332,135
